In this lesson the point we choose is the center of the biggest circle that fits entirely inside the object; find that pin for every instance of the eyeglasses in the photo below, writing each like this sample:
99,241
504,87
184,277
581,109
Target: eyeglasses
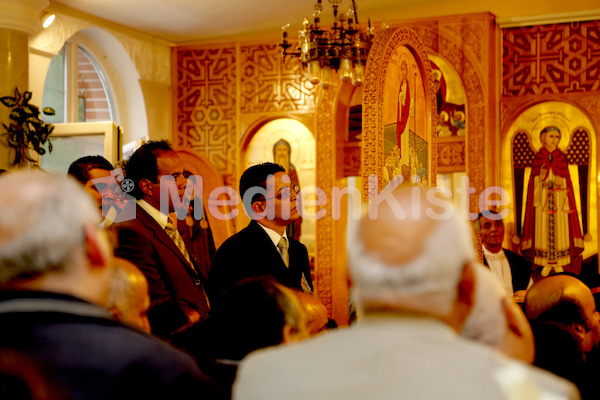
286,194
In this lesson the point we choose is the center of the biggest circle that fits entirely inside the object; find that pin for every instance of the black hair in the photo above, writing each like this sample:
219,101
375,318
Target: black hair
489,214
142,164
80,168
256,176
567,312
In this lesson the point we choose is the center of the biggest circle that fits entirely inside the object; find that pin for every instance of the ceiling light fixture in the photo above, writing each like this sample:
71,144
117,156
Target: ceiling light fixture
47,19
344,48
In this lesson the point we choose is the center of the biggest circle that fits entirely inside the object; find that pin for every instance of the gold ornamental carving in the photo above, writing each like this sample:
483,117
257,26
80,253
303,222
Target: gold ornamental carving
451,155
326,172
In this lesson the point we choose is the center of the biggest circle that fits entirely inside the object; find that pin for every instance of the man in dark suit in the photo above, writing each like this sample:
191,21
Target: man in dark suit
263,248
151,241
55,269
513,270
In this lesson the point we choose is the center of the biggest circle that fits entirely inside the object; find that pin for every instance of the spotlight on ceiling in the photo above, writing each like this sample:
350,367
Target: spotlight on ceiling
47,19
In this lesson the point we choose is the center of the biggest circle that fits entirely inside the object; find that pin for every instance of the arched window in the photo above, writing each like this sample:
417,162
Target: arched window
76,88
85,119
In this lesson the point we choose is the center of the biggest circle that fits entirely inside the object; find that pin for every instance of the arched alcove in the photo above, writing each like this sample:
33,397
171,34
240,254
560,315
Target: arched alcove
521,141
258,146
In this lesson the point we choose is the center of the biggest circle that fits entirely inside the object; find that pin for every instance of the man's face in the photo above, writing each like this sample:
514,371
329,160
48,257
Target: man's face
99,185
491,233
168,164
588,306
280,203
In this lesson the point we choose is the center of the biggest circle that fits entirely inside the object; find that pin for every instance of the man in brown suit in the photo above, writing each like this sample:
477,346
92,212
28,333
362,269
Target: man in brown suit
150,241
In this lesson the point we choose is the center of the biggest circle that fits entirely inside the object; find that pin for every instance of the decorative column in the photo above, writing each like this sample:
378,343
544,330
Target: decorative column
18,20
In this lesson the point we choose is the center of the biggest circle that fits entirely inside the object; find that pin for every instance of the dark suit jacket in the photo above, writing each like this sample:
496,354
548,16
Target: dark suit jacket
520,269
251,252
173,284
93,357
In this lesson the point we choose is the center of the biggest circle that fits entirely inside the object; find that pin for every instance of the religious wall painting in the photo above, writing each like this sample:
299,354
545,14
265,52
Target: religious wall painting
450,99
551,147
405,133
451,126
282,155
399,114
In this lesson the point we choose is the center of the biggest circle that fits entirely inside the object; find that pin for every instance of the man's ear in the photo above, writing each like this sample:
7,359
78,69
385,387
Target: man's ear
580,330
288,334
465,297
519,341
146,187
258,207
514,317
116,313
466,286
97,247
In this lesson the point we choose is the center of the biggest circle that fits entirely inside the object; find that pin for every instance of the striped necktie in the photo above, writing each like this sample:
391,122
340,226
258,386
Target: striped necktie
173,233
283,251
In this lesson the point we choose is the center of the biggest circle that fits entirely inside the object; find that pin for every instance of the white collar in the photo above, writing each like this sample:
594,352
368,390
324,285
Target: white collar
274,236
489,253
156,215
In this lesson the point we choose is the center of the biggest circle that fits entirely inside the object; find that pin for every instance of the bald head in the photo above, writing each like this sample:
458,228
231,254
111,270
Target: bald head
557,291
316,312
128,298
566,301
410,252
398,232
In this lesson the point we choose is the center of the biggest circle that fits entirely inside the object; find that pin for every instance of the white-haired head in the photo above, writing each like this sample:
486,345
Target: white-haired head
413,262
496,320
487,321
42,220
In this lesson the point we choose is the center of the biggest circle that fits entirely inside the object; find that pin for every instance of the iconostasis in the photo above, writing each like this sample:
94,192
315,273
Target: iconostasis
399,134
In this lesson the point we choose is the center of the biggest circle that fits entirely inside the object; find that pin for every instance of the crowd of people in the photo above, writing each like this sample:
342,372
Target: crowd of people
102,296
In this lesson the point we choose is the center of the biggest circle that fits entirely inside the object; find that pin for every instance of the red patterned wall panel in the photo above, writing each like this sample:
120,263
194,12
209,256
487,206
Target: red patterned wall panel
206,102
269,85
560,58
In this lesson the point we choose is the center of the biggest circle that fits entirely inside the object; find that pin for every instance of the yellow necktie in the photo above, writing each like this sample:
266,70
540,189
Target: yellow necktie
173,233
283,250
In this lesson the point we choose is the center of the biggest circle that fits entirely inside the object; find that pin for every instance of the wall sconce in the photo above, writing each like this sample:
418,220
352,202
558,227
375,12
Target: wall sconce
47,19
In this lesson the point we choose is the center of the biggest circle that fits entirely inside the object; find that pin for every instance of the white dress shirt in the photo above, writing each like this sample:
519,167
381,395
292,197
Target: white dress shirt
274,236
499,265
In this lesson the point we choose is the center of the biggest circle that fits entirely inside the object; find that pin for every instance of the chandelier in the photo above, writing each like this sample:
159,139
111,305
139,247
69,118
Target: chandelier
343,48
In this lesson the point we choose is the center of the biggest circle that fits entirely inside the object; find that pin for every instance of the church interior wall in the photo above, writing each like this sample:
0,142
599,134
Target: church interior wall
223,90
211,97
